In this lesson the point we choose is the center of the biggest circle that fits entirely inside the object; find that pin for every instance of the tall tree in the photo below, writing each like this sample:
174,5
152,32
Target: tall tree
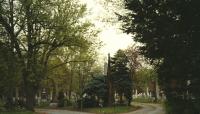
35,30
122,80
97,87
133,56
146,78
169,30
10,75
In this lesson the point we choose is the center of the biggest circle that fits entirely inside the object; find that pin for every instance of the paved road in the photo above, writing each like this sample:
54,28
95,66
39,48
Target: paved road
146,109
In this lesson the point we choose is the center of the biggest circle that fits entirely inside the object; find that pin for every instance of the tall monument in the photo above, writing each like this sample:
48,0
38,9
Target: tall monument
110,85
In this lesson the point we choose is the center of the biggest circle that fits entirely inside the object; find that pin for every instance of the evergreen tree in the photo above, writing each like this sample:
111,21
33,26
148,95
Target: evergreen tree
122,80
169,31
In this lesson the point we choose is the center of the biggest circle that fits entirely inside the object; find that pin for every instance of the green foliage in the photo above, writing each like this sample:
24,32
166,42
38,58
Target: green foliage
169,31
187,107
43,104
2,104
87,102
9,69
33,33
67,102
96,87
121,77
143,78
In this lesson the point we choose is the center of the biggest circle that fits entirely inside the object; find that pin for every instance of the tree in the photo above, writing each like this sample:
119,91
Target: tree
134,62
10,75
122,80
169,30
146,78
133,56
35,30
61,99
73,69
97,87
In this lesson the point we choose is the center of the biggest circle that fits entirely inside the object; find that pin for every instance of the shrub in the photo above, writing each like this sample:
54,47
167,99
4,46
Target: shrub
184,107
87,102
67,102
2,104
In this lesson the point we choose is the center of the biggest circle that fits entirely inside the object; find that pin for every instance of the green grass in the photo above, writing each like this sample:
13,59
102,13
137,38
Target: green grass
112,110
26,112
146,100
143,100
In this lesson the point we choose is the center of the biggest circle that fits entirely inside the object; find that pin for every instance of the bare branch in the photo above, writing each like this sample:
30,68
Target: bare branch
59,65
22,45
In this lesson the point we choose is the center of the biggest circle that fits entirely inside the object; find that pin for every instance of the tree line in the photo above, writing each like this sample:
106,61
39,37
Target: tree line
38,36
124,75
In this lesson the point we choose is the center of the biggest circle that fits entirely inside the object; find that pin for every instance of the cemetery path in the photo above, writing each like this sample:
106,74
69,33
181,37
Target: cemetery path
54,111
148,109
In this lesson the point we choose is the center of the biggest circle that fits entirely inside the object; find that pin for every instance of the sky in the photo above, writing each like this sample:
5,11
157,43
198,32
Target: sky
102,15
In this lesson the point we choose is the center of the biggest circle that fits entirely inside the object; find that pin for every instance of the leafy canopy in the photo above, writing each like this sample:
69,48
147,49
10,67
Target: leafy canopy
169,32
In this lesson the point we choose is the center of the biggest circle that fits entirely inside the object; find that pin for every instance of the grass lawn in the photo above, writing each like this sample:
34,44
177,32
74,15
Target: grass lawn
26,112
146,100
143,100
112,110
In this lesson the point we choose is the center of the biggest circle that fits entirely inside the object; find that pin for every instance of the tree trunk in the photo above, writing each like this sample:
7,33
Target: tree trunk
70,85
155,92
29,91
129,102
9,100
30,100
54,91
120,98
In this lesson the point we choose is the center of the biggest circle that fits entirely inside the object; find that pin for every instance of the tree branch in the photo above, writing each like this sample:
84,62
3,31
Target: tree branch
59,65
5,24
20,29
